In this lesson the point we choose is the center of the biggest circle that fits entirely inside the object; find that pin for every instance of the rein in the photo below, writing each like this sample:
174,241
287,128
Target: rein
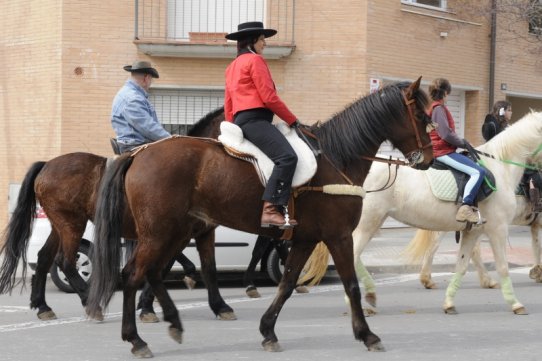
522,165
304,133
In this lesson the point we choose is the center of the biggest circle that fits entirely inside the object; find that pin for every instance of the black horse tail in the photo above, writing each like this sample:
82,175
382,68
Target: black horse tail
17,234
107,236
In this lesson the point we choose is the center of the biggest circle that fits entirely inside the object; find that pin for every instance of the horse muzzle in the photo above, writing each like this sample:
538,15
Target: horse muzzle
416,159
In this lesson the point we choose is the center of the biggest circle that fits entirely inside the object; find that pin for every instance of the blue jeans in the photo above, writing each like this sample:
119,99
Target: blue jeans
466,165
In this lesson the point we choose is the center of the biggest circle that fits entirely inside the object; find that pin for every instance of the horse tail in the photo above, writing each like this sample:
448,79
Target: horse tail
316,266
17,234
422,243
107,236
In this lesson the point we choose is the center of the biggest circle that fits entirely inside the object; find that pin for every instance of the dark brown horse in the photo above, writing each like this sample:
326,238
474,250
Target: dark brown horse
66,188
173,183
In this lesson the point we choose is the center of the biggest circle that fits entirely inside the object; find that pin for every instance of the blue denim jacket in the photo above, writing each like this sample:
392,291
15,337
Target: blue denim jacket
133,117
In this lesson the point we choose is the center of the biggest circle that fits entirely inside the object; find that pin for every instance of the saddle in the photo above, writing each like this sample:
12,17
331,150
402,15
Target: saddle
448,184
231,137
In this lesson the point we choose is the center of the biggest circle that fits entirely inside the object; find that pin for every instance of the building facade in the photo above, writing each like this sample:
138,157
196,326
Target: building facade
62,64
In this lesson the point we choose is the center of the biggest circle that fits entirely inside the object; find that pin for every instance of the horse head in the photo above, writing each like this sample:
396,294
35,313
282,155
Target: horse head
416,144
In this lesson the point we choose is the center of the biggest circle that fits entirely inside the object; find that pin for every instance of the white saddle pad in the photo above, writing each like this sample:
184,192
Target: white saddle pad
442,183
231,135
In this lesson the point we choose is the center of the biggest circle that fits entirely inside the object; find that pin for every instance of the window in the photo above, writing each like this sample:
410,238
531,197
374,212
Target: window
441,4
218,16
179,109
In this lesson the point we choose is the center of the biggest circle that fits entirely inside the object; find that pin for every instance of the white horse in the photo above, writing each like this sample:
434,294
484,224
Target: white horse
425,244
410,200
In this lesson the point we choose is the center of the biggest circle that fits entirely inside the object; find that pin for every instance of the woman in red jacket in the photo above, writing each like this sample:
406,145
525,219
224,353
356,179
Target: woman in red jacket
250,101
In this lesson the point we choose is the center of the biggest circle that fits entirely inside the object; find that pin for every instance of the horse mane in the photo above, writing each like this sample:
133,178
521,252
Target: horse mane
365,123
517,139
203,124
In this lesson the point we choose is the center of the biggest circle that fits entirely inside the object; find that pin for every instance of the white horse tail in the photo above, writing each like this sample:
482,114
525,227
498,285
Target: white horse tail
316,266
422,243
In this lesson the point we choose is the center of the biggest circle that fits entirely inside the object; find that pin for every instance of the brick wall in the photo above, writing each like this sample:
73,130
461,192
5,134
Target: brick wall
63,64
30,88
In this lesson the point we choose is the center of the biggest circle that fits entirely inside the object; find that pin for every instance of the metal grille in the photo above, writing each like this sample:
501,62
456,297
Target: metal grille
210,20
179,109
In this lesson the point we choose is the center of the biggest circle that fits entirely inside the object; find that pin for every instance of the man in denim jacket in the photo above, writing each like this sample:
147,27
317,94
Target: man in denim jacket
133,117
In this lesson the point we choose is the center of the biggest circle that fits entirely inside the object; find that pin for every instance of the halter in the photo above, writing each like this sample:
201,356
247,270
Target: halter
414,157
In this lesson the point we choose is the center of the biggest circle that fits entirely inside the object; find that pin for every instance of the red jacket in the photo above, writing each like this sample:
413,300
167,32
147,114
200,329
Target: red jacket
249,85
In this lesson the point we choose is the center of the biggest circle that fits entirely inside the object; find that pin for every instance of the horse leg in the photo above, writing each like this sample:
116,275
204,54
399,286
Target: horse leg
369,224
206,249
344,262
536,272
283,250
146,299
497,238
168,306
131,282
485,279
297,257
262,244
46,257
368,284
427,263
189,271
468,240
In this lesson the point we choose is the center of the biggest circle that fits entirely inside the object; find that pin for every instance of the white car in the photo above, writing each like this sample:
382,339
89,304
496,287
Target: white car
233,250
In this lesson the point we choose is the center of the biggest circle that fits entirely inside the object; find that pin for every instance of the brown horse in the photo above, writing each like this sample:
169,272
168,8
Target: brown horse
171,184
66,188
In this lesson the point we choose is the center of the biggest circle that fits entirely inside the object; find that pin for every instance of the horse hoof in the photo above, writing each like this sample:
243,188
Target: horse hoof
149,317
98,316
271,346
253,293
368,312
429,285
492,285
302,289
47,316
176,334
370,297
376,347
227,316
535,273
143,352
521,311
189,282
450,310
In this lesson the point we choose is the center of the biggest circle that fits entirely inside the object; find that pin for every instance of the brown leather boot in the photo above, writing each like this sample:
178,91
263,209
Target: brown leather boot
272,217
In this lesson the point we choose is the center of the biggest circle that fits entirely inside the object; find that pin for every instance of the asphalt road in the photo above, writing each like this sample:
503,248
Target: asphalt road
314,326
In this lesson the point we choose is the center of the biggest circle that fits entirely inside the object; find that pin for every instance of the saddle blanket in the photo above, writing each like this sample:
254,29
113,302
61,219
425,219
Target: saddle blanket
442,183
231,136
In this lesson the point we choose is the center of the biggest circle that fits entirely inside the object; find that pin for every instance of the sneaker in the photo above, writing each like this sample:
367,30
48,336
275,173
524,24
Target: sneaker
466,213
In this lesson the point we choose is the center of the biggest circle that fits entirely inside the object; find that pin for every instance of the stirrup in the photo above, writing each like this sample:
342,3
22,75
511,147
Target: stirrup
480,219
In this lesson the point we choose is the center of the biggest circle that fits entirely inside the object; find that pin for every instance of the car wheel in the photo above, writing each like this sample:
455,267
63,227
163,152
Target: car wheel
274,267
83,265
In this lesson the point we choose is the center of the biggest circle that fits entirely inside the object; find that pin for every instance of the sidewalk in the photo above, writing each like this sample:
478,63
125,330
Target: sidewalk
383,253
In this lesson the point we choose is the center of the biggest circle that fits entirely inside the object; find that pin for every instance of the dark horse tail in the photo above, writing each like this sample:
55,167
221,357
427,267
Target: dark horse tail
17,234
107,236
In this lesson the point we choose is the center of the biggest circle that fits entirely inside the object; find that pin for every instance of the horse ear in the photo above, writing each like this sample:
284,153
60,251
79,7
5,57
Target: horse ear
414,87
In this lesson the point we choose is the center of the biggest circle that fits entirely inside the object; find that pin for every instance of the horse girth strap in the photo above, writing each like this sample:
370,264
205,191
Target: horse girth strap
333,189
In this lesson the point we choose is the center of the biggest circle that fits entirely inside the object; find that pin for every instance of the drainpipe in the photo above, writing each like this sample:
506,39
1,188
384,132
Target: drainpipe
136,27
492,55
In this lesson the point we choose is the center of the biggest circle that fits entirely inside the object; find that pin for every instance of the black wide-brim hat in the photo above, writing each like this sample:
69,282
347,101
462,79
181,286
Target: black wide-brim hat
143,67
252,28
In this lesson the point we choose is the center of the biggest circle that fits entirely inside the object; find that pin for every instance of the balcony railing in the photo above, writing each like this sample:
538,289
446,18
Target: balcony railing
189,27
